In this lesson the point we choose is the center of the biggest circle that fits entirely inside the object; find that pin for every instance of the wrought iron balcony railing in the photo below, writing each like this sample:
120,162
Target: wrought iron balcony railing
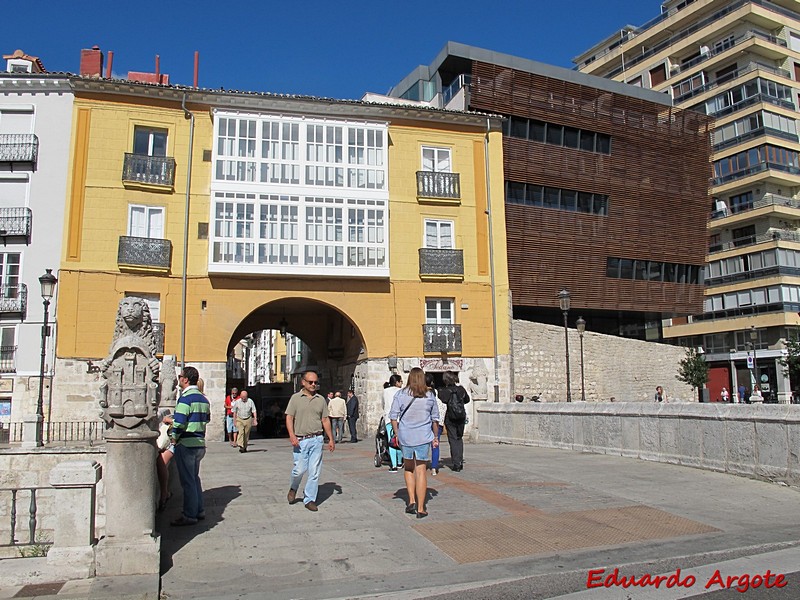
441,338
159,332
441,261
144,252
154,170
19,147
15,221
7,362
13,299
438,185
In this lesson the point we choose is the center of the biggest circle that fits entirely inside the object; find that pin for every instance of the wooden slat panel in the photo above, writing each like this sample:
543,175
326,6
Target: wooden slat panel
656,178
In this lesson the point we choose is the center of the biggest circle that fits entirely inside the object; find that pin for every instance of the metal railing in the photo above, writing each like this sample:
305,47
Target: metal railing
13,299
764,166
441,338
22,521
766,201
448,93
61,432
155,170
752,33
8,364
441,261
748,68
431,184
15,221
144,252
19,147
774,235
754,133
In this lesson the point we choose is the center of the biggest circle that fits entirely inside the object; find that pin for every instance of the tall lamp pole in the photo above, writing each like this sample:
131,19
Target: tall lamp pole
753,338
48,284
580,324
563,301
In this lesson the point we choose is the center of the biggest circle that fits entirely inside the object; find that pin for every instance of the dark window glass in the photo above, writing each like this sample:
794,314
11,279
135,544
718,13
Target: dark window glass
603,143
551,197
669,272
515,192
694,274
640,270
571,137
519,127
537,131
535,194
681,274
612,267
587,140
569,200
626,268
585,202
555,134
600,204
655,270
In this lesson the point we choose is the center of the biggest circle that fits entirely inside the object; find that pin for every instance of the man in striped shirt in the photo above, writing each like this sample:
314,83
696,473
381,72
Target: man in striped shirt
192,413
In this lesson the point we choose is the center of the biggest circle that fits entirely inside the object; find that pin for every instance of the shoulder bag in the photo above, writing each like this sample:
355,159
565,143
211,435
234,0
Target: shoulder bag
394,442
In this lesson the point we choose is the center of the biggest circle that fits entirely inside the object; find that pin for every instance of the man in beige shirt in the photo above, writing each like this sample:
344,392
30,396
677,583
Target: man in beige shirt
306,420
244,412
337,411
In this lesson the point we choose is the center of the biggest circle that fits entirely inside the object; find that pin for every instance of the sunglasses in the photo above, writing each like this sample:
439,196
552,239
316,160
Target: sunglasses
311,382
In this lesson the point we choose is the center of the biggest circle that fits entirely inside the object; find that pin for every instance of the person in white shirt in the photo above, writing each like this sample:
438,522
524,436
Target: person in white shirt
337,411
395,383
244,411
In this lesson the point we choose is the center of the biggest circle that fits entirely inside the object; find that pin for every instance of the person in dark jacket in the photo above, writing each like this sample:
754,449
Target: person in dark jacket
352,414
450,393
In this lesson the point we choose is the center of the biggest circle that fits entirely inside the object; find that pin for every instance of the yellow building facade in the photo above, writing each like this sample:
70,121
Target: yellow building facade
376,232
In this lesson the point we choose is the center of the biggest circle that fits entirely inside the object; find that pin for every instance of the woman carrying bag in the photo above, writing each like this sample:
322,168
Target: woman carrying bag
454,397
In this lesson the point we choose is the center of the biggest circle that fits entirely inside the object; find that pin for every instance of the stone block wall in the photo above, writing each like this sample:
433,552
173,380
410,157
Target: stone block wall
758,441
619,368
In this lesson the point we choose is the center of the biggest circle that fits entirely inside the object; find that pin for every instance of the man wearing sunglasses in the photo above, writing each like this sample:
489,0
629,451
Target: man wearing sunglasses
306,421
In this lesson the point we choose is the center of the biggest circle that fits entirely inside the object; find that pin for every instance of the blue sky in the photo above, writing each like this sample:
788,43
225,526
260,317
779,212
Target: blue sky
319,48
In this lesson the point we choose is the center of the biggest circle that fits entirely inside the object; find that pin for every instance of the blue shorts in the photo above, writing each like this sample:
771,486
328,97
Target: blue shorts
230,424
422,452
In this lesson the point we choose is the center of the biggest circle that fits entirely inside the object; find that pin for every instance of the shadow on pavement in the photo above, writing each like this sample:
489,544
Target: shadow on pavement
326,490
175,538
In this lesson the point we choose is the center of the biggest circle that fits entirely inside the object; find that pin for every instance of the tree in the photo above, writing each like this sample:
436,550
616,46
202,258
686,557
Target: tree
693,369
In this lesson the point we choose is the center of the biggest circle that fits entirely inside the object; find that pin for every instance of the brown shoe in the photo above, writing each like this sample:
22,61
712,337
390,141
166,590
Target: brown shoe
312,507
291,496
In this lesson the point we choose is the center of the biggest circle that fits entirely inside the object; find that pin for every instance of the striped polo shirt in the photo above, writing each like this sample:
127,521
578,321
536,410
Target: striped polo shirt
192,413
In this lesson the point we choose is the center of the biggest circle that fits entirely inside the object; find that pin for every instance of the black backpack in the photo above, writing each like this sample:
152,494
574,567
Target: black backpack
455,408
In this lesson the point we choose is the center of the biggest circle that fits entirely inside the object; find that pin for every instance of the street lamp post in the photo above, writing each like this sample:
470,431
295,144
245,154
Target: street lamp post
580,324
753,338
48,284
563,301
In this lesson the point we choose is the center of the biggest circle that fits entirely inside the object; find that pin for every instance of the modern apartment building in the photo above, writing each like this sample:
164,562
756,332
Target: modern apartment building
371,232
599,177
35,117
738,62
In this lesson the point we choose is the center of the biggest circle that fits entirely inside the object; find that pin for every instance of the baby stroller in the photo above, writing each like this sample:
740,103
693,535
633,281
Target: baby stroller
381,445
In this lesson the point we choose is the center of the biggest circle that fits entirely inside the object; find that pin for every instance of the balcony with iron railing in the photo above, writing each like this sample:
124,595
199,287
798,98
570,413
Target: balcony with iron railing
773,235
441,338
431,184
15,221
768,200
8,364
19,148
441,262
748,68
150,170
13,299
755,133
146,253
749,35
759,168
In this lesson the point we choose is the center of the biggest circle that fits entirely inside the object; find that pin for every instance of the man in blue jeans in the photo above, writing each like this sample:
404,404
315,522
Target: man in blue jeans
192,413
306,420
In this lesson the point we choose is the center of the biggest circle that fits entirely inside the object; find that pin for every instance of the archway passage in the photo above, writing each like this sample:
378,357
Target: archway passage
277,342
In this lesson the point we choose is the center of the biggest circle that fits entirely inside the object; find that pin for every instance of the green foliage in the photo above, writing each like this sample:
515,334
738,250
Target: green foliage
693,369
791,363
39,549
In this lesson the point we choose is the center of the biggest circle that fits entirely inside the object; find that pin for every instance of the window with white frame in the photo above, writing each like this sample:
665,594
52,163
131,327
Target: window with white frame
148,141
439,233
146,221
9,273
437,160
16,119
439,311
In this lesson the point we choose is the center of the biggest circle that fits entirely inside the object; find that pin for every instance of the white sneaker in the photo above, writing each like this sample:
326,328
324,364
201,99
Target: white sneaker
434,472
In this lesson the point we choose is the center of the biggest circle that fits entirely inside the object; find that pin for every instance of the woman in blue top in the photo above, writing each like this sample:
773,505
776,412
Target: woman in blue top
414,415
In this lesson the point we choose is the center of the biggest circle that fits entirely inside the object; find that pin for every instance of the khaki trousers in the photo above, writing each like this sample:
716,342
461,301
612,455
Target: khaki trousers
244,426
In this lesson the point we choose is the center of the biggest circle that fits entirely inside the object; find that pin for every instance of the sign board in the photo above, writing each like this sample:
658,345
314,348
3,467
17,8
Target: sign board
749,362
6,386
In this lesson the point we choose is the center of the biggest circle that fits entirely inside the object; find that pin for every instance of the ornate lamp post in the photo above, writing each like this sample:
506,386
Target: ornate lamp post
48,284
580,324
563,301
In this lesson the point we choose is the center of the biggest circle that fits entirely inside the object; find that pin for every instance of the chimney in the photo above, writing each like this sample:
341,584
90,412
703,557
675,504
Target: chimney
91,62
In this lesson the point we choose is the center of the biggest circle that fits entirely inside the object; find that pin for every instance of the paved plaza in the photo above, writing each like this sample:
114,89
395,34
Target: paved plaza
517,522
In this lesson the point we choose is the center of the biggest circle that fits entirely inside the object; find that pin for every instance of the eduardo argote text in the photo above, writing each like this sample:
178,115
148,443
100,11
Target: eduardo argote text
598,578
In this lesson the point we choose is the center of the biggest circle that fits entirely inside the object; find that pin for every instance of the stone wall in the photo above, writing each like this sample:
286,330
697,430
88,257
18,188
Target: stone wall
757,441
619,368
